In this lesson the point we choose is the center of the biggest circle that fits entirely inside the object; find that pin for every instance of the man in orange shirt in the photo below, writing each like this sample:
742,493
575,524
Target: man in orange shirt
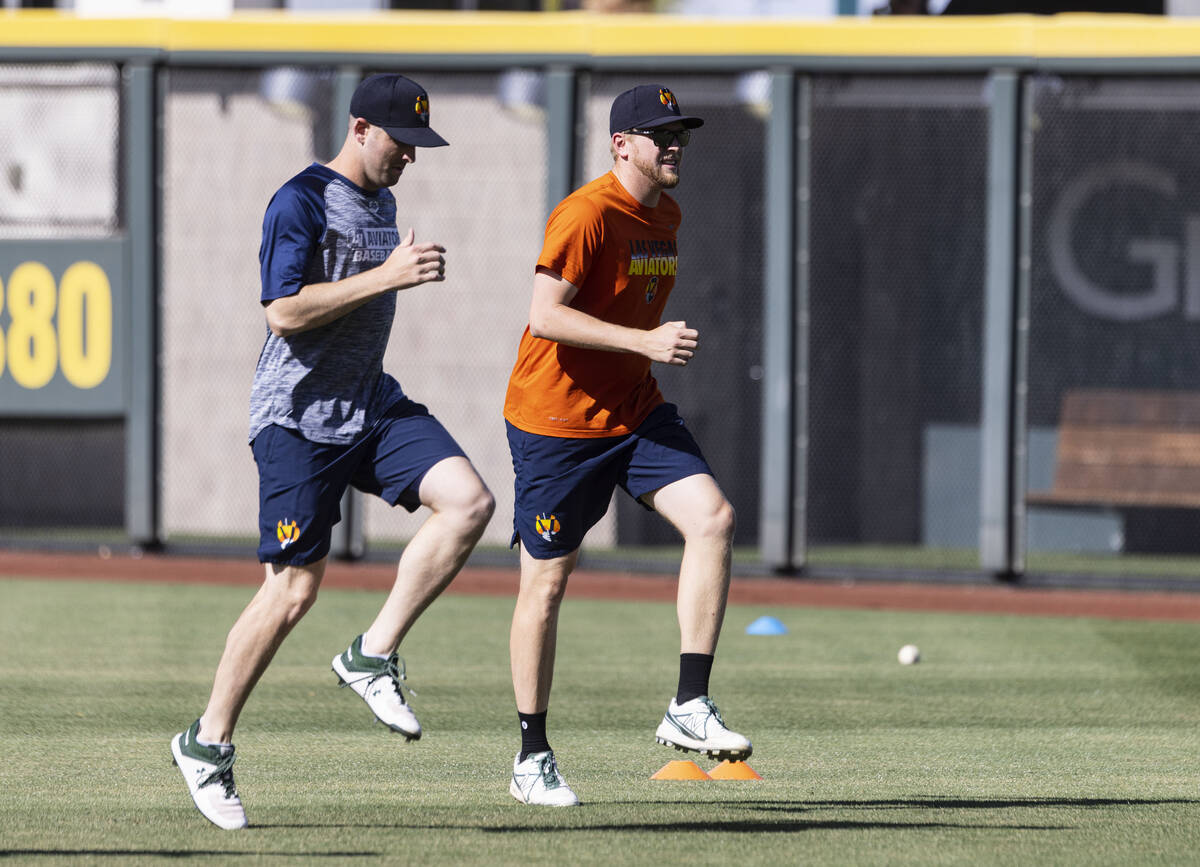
584,415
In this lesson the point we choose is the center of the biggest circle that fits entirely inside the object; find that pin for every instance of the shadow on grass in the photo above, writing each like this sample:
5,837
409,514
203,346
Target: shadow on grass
731,825
734,826
783,824
173,853
939,803
793,826
579,821
797,825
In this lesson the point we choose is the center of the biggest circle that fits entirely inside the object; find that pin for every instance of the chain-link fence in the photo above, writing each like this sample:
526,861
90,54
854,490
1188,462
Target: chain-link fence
226,149
59,169
896,314
719,289
897,167
1114,302
452,343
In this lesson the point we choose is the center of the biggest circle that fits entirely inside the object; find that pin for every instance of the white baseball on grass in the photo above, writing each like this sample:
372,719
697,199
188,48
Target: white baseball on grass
909,654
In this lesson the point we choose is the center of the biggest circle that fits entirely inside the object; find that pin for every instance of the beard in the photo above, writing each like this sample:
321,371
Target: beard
661,175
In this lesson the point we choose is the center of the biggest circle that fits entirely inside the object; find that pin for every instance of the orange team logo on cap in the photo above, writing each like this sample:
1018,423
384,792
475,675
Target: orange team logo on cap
547,526
667,98
422,107
287,532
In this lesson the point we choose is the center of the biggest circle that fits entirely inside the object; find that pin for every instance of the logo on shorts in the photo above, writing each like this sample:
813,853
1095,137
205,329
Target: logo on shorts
287,532
547,526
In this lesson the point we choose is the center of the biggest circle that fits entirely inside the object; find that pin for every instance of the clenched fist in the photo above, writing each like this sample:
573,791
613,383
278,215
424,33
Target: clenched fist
672,343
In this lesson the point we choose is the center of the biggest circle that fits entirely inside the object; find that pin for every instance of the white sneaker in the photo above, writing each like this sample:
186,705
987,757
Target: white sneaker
537,781
696,725
378,682
208,772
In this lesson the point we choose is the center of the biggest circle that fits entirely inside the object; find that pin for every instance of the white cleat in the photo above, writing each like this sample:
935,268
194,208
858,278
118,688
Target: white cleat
377,682
208,772
537,781
697,726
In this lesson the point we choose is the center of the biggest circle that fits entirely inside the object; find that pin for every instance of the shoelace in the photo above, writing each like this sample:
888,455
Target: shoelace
223,774
549,771
395,673
708,702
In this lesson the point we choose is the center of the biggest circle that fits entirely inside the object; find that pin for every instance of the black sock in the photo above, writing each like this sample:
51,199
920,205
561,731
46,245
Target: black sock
694,669
533,734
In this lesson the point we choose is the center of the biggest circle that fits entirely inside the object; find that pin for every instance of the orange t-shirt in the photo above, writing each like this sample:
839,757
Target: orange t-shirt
622,257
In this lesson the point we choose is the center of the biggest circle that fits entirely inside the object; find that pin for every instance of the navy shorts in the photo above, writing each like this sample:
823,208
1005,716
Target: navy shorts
564,485
300,482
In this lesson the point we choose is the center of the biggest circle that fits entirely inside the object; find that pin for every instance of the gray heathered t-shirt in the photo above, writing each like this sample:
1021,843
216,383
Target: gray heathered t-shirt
327,383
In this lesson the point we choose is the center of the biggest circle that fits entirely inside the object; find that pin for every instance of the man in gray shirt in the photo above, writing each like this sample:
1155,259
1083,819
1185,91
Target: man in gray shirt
324,416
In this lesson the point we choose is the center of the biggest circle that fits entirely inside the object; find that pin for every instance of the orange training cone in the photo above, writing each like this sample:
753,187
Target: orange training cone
680,771
728,770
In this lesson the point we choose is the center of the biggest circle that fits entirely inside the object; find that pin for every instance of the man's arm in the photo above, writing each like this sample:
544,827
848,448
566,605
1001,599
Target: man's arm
317,304
552,317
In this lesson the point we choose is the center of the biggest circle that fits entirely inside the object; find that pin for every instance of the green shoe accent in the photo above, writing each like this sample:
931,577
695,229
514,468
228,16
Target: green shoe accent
370,667
220,757
354,660
192,748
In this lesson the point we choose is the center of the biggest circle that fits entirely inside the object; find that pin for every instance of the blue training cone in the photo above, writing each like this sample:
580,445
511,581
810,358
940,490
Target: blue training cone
766,625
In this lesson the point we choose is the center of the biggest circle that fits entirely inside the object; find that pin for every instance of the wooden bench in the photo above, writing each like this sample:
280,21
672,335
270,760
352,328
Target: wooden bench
1127,449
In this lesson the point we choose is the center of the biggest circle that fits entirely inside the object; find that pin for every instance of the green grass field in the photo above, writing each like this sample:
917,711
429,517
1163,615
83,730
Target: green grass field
1015,741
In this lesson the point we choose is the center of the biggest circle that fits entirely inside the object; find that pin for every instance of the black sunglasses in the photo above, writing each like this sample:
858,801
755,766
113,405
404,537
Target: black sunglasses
663,138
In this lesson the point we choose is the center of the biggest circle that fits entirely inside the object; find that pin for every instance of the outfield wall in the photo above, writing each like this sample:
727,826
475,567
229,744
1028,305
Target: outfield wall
904,241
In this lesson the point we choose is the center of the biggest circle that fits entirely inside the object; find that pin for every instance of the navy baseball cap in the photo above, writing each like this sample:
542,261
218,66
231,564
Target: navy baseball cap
647,106
397,105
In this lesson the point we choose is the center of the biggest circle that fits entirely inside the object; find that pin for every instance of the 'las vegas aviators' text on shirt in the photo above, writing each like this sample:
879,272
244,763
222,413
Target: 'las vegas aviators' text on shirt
328,382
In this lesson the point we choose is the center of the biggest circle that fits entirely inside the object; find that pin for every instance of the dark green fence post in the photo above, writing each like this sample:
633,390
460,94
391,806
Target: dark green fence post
780,475
561,135
139,133
348,541
996,434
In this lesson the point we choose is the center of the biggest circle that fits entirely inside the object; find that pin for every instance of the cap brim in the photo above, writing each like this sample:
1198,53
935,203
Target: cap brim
418,136
687,121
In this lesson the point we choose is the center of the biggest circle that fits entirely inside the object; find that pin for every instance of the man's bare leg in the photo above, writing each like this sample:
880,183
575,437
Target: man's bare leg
532,643
533,639
696,507
462,506
286,594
